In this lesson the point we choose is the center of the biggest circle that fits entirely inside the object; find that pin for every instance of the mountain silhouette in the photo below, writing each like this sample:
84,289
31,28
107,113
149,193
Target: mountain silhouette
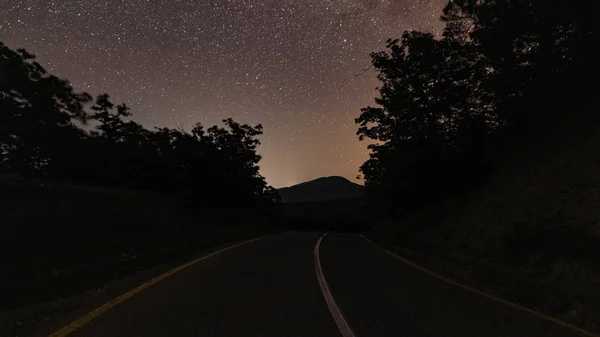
321,189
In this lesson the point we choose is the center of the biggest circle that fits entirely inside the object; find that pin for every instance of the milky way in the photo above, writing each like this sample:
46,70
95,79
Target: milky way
297,67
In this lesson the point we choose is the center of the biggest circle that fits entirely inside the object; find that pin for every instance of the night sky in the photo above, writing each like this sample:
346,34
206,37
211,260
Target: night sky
288,64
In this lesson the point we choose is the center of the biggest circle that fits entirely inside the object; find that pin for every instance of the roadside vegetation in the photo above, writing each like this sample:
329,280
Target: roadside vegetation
59,239
88,195
485,160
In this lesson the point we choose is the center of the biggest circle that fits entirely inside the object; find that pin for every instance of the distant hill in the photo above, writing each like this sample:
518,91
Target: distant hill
322,189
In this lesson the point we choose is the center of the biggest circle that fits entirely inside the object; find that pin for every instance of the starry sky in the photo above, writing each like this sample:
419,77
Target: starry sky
291,65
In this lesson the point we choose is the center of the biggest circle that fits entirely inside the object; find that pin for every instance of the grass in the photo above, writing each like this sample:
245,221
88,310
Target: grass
58,239
532,234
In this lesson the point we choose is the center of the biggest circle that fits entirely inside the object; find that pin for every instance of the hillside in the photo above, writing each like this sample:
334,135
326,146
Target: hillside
532,233
321,189
61,239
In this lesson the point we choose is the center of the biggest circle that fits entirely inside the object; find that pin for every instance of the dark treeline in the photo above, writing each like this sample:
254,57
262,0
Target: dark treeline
500,68
48,130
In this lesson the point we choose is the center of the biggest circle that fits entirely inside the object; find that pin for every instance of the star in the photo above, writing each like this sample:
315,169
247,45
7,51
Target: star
275,62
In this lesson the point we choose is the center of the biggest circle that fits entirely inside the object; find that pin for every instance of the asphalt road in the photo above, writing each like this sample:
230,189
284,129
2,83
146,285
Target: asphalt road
270,288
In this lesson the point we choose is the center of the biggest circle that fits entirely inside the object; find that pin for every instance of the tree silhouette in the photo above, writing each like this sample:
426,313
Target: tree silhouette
40,136
536,50
500,67
429,114
37,111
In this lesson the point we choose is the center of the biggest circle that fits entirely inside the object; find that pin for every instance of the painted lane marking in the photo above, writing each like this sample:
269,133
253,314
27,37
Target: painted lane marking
491,297
362,236
69,328
341,322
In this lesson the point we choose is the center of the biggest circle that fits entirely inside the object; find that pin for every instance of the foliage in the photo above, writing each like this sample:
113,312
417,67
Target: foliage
36,113
41,135
499,68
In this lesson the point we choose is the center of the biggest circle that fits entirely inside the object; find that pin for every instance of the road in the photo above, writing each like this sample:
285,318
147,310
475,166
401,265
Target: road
270,287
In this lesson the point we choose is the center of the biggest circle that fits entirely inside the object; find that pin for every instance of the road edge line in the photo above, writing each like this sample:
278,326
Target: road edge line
80,322
489,296
336,312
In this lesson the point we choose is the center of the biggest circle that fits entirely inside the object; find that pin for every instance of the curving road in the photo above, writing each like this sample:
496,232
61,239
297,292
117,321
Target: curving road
270,287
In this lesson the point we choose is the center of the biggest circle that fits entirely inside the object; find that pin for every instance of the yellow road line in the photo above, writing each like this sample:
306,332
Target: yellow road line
494,298
69,328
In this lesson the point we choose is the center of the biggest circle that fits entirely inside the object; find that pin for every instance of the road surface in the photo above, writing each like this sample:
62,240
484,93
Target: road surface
270,287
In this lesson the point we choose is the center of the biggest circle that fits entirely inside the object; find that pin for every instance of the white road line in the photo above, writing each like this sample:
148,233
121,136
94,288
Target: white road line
333,307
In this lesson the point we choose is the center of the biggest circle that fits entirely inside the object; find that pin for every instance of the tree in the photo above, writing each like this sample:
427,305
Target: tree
237,161
39,136
501,67
428,112
538,51
37,114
